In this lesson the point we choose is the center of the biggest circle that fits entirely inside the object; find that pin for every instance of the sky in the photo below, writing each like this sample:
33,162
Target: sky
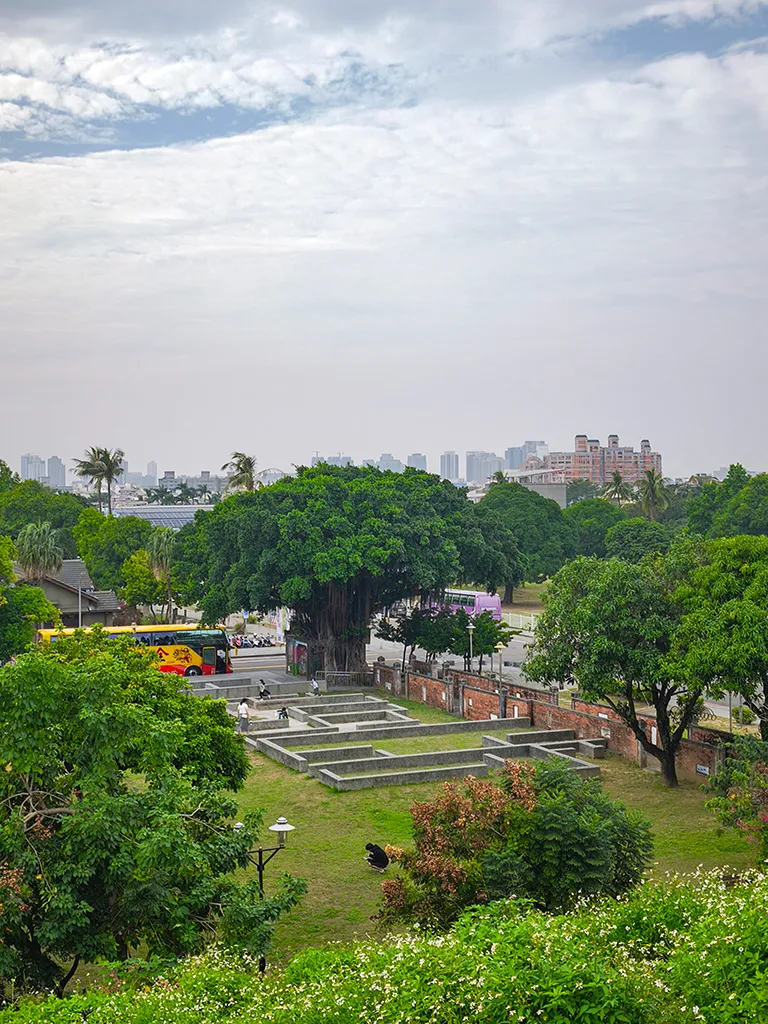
370,226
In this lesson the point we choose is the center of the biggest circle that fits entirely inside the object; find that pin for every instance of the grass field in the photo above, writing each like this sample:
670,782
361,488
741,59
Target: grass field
332,829
526,600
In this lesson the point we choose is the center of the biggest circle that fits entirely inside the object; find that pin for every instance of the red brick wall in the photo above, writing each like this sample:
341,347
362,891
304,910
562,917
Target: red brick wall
387,678
478,682
528,693
479,704
432,692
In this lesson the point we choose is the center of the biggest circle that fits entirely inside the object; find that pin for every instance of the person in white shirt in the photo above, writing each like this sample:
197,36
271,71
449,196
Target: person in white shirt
315,688
243,715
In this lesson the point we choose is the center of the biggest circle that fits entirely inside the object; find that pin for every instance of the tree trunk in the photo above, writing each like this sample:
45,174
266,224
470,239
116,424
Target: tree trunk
669,768
67,978
509,593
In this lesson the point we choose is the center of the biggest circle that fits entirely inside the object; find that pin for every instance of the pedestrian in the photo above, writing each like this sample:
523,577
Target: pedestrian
315,688
283,714
264,693
243,715
377,858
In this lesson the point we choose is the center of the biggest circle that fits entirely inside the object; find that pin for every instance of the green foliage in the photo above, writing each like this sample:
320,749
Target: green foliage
337,544
22,610
191,557
547,836
242,470
616,490
38,550
31,502
653,494
723,639
740,792
713,501
101,466
544,537
580,490
487,633
633,539
8,478
591,520
140,585
677,952
610,627
105,542
115,830
7,556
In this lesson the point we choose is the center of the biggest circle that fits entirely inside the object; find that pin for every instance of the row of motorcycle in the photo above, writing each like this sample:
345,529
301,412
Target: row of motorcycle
244,640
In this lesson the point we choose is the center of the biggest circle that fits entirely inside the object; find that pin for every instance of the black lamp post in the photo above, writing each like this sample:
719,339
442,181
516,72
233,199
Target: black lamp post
281,828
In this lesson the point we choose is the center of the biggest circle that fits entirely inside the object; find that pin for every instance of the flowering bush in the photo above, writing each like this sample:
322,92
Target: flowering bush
679,951
740,790
545,834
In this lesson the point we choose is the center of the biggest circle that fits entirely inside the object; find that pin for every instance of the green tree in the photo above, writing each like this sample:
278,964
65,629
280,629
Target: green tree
405,629
105,542
8,478
579,490
486,634
242,470
591,519
140,585
112,462
739,792
95,865
616,490
191,558
610,627
634,539
38,551
7,556
704,508
160,550
92,469
543,536
437,634
723,638
30,502
654,494
337,545
545,835
22,610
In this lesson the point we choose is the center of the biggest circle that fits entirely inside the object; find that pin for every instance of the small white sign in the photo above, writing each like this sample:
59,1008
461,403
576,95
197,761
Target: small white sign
701,769
602,714
605,733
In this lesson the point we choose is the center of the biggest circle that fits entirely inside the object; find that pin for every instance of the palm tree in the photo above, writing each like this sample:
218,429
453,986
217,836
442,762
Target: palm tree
38,550
92,468
242,472
112,462
617,490
160,550
655,495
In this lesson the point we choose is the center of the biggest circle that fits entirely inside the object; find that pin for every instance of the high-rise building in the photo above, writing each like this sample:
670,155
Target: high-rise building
122,476
388,462
168,479
449,466
151,474
592,461
481,466
515,458
32,467
57,473
332,460
418,461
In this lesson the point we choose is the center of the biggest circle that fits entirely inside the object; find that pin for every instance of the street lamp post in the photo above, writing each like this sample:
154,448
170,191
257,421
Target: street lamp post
281,828
471,631
500,648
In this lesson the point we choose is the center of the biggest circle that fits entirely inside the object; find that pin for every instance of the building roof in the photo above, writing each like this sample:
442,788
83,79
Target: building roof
74,573
174,516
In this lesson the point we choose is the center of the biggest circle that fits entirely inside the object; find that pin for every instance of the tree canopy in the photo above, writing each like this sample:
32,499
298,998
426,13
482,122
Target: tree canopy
31,502
633,539
610,627
96,865
544,537
591,520
105,542
708,512
337,544
22,608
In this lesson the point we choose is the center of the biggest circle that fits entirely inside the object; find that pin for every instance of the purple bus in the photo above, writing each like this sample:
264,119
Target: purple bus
472,602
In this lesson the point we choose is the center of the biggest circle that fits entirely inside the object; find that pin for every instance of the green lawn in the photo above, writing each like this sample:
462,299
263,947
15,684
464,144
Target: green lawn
332,829
414,744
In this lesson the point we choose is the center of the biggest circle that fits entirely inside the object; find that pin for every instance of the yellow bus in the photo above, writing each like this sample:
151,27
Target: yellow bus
185,650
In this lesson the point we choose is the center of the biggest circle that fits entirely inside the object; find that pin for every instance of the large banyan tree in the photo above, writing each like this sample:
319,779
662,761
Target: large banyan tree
339,544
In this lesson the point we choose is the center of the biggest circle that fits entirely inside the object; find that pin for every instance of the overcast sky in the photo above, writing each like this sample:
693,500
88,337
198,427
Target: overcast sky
370,225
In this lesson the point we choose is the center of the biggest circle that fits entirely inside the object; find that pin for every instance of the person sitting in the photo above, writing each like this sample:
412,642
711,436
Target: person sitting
283,714
264,693
377,858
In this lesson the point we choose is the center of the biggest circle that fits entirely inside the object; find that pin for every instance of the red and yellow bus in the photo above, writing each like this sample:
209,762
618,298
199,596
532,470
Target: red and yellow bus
185,650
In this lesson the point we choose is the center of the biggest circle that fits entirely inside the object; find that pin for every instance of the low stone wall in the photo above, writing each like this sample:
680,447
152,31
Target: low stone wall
381,714
349,782
399,762
239,689
439,729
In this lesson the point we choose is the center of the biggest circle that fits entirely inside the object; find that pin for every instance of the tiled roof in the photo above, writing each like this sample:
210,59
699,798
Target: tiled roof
107,599
73,573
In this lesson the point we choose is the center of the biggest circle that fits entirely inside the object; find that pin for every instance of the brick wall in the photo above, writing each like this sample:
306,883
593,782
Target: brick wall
385,677
479,704
432,692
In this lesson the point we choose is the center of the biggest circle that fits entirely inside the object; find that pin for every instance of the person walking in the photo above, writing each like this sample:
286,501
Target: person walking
243,716
315,688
